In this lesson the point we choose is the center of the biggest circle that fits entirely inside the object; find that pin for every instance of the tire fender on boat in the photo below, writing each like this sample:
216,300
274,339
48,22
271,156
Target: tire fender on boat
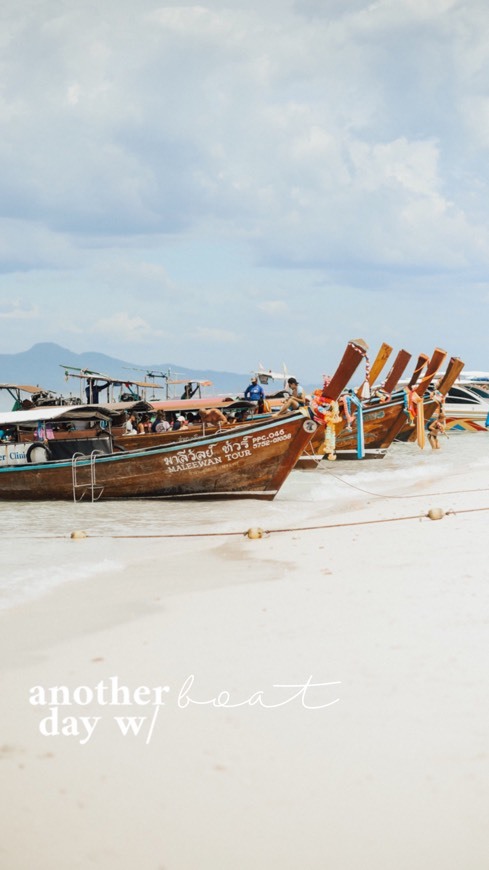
38,452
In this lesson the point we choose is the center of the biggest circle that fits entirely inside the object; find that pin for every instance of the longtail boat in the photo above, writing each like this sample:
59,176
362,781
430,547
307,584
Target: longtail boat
336,412
234,410
324,404
414,398
98,383
385,414
431,403
252,462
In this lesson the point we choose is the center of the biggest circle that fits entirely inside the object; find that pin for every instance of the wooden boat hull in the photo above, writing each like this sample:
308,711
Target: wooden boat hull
253,463
384,421
172,436
380,419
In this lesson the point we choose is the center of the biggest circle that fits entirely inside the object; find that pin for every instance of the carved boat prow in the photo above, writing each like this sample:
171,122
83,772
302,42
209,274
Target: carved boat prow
355,351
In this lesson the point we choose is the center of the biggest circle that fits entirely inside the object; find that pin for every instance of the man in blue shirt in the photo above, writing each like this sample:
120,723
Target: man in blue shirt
255,391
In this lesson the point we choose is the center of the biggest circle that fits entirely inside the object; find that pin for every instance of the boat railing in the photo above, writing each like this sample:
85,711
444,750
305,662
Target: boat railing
78,466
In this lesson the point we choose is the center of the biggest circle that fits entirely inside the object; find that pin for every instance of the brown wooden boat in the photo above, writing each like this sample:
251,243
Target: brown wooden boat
430,404
353,355
316,449
384,416
413,399
252,462
355,351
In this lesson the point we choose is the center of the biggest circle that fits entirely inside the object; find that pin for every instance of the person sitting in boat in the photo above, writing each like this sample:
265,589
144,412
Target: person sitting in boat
145,422
296,398
263,407
254,391
213,416
160,423
181,422
130,425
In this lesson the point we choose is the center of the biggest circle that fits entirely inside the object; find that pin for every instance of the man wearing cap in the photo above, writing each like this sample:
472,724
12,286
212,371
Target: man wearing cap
181,422
254,392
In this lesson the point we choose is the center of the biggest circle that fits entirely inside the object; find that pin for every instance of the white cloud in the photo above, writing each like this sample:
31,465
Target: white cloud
17,310
125,329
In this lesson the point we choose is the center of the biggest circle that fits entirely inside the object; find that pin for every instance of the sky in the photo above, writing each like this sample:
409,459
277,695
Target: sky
228,184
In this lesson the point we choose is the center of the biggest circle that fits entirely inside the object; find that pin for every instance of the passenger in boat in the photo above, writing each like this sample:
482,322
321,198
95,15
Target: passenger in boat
213,416
296,399
254,391
241,415
160,424
180,423
131,425
263,407
146,423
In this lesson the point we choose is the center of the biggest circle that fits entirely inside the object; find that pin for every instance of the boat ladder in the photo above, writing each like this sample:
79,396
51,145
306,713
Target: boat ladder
81,487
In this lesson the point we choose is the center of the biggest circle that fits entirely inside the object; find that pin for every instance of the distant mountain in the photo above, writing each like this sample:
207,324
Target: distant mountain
43,364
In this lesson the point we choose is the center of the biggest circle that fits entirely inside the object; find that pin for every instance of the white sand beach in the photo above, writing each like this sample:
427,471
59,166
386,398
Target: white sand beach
390,768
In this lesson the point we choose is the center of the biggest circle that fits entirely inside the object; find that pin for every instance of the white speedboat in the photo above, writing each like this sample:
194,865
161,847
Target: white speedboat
467,403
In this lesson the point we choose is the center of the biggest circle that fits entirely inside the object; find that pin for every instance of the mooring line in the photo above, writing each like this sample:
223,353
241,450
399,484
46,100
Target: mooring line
307,528
412,495
432,514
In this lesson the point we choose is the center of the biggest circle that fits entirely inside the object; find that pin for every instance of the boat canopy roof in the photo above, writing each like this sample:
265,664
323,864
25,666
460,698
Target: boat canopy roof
25,388
191,381
63,412
116,382
196,404
116,408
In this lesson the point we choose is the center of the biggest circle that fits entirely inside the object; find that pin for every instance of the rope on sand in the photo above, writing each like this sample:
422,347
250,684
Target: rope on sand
433,514
413,495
